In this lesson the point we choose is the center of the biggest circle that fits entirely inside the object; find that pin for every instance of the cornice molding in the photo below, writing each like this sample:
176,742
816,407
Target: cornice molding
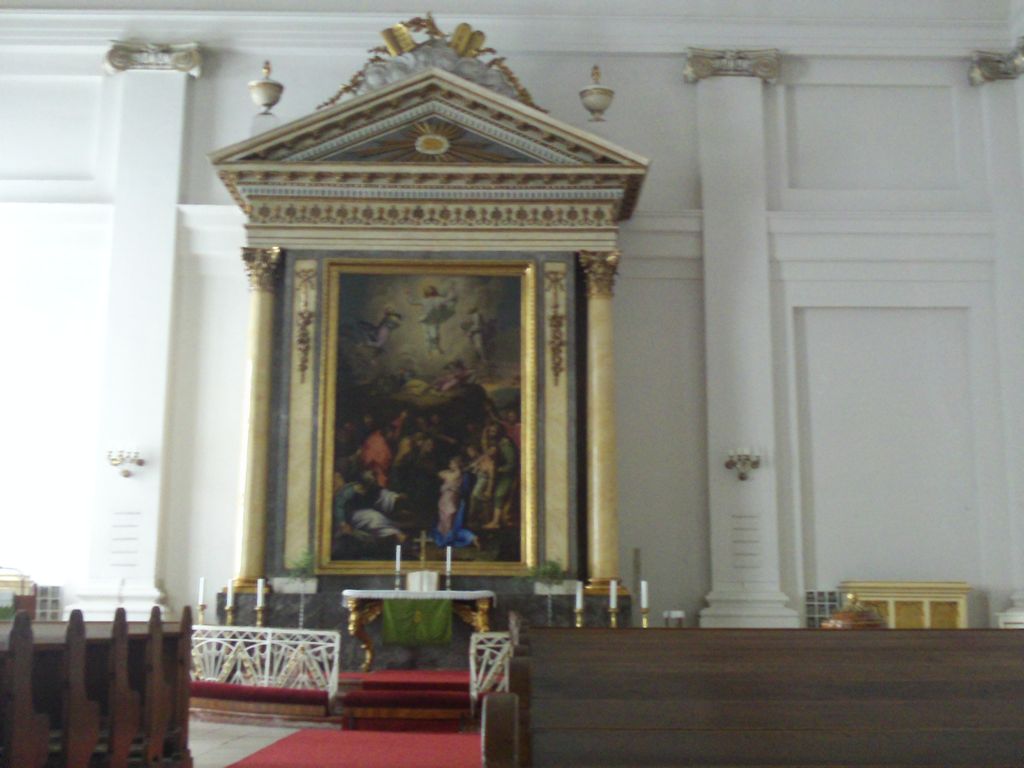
652,28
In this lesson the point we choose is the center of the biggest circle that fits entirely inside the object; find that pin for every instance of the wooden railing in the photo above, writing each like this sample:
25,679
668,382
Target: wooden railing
98,694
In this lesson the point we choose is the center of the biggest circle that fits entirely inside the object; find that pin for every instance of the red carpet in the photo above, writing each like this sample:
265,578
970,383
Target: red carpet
368,749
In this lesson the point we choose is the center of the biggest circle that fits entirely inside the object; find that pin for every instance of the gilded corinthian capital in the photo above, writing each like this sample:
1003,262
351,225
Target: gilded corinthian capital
134,54
702,63
600,268
262,266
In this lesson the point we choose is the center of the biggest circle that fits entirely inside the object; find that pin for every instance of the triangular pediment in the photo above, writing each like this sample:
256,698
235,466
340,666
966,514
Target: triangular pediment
433,132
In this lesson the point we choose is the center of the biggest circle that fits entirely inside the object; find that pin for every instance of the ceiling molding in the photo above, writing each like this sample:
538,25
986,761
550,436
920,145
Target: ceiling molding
943,28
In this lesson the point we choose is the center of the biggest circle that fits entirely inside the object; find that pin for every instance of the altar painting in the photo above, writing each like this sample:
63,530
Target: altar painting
427,416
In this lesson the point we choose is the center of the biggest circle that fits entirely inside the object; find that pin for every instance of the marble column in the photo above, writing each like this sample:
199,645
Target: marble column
745,571
124,552
263,266
599,267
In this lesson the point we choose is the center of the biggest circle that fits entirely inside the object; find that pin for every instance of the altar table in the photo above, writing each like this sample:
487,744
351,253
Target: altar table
364,605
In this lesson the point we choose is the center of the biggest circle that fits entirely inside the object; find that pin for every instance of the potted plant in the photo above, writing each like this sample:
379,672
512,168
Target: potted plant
548,579
302,573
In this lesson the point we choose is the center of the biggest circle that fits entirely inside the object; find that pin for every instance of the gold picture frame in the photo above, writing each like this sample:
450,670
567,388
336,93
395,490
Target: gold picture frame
428,416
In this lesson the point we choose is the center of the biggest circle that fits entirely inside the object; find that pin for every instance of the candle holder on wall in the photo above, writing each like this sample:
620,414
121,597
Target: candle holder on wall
645,618
122,459
229,615
259,615
613,618
579,618
743,462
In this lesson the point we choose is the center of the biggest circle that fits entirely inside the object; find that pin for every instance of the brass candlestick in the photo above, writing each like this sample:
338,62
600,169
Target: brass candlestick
398,580
229,613
259,616
201,613
579,618
613,618
645,618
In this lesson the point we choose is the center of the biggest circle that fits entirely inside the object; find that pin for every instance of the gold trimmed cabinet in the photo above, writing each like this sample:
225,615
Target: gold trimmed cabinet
914,604
417,249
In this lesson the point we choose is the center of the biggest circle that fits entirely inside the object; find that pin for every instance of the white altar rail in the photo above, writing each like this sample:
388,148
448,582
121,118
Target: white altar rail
267,657
489,657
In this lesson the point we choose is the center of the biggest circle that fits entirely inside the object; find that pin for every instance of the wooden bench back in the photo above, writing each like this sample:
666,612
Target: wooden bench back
82,695
720,697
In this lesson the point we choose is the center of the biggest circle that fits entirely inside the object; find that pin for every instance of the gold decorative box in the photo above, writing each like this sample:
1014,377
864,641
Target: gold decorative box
915,604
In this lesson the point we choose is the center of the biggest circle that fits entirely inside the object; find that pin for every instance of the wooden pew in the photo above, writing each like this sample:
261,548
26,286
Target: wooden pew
110,695
720,697
79,724
26,733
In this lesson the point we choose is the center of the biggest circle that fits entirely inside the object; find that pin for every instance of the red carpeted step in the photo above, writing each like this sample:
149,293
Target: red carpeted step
398,710
415,699
409,679
209,690
368,749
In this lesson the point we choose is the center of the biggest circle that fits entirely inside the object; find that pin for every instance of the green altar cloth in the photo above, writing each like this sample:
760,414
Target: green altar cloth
416,622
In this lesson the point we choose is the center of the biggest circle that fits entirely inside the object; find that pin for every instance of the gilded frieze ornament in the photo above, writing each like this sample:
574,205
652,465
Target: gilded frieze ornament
262,266
133,54
702,63
988,66
600,268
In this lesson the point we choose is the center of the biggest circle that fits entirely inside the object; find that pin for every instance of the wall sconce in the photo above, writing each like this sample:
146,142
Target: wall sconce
124,458
743,461
596,98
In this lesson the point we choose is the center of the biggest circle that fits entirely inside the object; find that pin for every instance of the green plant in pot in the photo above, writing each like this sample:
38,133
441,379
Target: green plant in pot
302,568
549,573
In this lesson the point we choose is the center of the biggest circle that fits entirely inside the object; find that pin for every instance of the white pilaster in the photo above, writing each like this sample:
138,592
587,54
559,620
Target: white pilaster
123,568
745,574
1003,111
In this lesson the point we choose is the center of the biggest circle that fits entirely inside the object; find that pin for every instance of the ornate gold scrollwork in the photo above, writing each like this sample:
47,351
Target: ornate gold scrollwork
305,287
555,286
262,266
600,268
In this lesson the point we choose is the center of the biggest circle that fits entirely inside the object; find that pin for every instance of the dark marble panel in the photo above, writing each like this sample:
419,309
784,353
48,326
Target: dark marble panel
325,610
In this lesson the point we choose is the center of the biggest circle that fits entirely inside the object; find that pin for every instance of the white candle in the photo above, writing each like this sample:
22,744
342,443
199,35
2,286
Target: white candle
229,601
643,595
202,590
398,558
260,583
448,559
613,594
579,595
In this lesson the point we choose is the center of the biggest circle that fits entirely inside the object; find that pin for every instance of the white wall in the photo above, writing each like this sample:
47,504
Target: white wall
893,197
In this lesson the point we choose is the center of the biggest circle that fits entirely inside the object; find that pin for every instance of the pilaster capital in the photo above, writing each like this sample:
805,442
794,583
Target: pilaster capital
600,268
262,266
135,54
702,63
987,66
